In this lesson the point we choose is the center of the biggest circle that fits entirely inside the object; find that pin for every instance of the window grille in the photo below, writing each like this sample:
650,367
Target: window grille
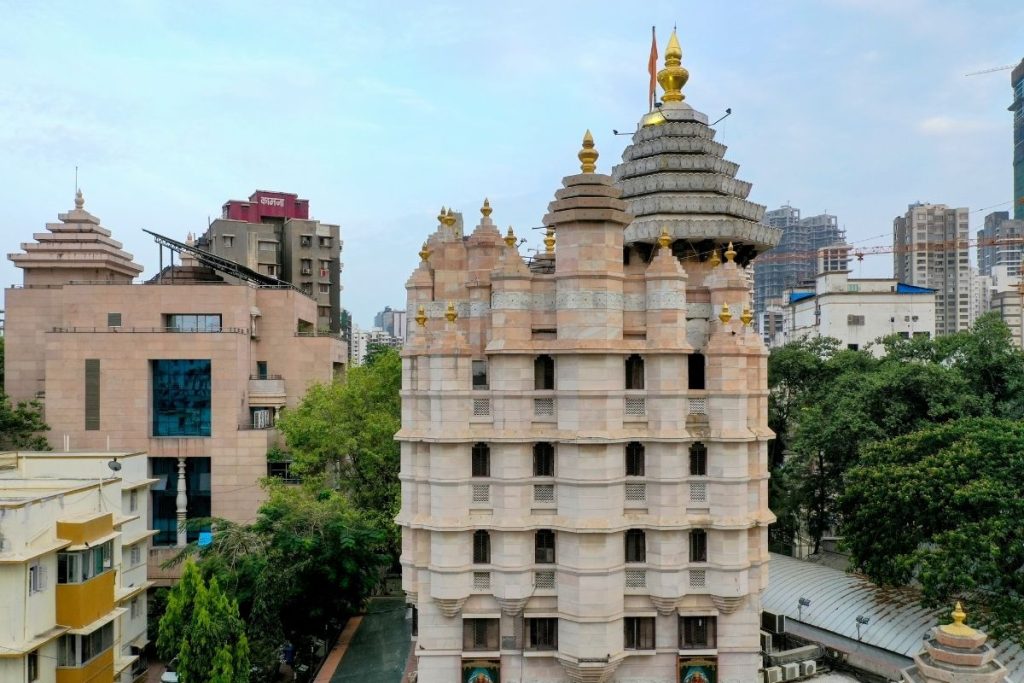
481,407
544,493
543,406
636,406
544,580
698,492
636,578
481,581
699,406
698,578
636,492
481,493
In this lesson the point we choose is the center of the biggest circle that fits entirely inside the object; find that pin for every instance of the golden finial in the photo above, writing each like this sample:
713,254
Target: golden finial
549,241
958,627
725,315
425,252
673,77
440,216
588,155
715,259
450,313
449,218
510,237
746,317
486,208
421,316
730,253
664,240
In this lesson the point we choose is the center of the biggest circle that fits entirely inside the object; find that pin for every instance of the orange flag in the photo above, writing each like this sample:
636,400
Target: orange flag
652,69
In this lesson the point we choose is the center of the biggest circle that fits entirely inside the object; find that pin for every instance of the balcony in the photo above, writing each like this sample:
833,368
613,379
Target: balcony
266,390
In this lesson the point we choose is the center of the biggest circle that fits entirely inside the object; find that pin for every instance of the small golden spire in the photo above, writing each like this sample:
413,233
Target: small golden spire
425,252
449,218
486,208
673,77
746,317
510,237
421,316
450,313
958,627
440,216
664,240
730,253
588,155
725,315
549,241
715,259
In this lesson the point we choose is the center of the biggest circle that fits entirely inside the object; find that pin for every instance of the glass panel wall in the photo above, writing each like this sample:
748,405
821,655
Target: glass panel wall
181,397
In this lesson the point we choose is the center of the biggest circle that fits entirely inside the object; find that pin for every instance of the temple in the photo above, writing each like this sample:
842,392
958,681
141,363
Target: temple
584,433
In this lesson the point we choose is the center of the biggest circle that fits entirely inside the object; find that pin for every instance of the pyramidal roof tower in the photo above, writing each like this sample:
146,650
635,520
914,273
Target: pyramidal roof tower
675,175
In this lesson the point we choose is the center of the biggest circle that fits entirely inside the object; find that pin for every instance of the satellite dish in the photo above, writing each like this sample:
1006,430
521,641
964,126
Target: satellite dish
114,465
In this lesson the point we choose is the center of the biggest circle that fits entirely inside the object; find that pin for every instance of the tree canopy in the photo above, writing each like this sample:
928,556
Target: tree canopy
346,430
941,508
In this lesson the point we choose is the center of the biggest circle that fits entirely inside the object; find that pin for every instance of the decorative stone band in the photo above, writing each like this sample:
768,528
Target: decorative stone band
450,607
582,670
685,182
465,309
702,163
674,145
719,228
685,129
665,606
589,300
660,301
694,203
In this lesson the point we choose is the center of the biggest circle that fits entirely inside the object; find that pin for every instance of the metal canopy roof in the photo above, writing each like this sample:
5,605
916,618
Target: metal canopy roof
897,621
221,264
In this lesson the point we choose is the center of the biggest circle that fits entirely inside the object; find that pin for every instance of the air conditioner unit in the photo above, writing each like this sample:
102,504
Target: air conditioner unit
773,674
791,672
766,642
809,668
774,623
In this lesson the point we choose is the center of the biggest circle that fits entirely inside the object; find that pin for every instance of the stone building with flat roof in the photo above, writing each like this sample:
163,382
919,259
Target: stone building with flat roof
584,434
187,367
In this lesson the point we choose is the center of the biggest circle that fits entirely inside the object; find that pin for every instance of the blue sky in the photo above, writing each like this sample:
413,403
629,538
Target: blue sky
379,113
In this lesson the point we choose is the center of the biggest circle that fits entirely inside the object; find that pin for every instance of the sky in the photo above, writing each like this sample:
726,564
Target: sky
380,113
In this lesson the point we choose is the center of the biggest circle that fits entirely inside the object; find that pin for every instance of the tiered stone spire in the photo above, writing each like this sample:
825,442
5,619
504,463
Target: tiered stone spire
675,175
956,652
76,249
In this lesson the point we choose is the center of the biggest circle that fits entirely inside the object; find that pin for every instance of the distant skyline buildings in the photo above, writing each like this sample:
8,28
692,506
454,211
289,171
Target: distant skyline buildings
1017,107
999,243
795,260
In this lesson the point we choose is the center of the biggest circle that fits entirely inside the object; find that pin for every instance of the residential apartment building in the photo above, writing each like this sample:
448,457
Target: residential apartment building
857,311
74,537
1000,243
188,367
584,463
362,340
393,322
930,250
272,234
795,261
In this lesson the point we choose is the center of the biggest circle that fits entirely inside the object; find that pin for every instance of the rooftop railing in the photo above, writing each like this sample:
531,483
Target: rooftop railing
150,330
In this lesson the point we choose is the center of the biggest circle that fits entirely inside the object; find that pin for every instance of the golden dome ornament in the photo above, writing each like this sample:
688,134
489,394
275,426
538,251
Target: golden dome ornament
440,217
730,253
425,252
421,316
715,259
746,317
549,241
725,315
449,218
958,627
588,155
510,238
485,210
673,77
664,240
450,313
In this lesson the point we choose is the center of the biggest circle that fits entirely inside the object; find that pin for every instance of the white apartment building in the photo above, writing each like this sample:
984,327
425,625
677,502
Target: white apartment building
857,312
930,250
74,543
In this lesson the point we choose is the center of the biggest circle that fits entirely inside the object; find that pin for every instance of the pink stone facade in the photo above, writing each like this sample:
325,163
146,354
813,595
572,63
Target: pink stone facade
609,560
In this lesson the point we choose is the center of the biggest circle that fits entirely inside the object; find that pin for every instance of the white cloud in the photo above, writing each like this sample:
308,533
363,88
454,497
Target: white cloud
947,125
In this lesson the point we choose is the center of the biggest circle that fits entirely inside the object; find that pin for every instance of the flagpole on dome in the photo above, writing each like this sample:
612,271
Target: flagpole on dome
652,69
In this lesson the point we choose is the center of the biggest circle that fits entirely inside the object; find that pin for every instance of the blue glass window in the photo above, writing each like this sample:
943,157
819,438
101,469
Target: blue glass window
181,397
193,322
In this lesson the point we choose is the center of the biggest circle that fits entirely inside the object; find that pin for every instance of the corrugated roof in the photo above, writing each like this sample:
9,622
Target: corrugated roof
898,623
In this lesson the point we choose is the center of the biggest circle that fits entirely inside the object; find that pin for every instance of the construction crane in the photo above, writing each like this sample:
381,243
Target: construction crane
860,252
988,71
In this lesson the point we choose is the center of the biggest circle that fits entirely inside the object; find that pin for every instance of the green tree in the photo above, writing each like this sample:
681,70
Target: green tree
202,628
347,428
941,508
